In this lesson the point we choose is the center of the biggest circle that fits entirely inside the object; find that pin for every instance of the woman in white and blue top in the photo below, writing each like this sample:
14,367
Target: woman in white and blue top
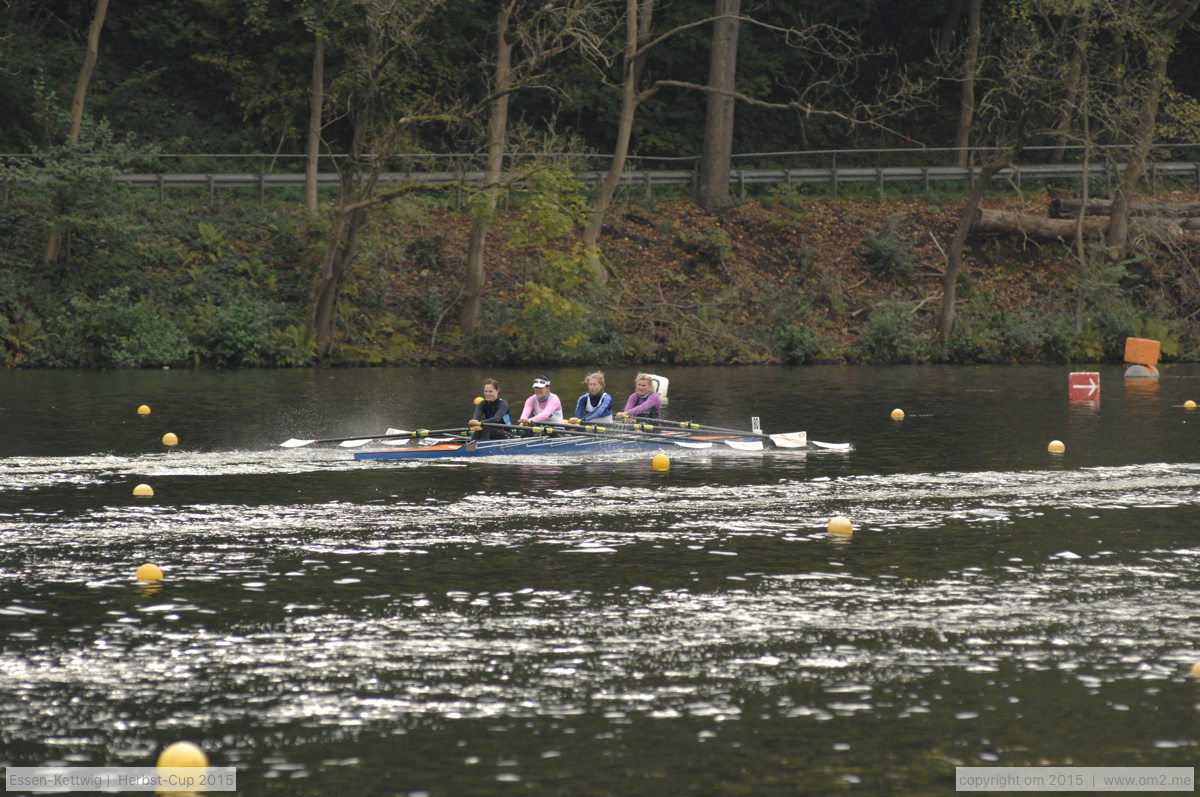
594,406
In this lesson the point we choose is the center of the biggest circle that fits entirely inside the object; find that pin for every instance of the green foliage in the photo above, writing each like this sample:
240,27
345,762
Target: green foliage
114,330
890,335
983,334
236,332
711,245
20,340
552,320
1109,312
888,254
793,330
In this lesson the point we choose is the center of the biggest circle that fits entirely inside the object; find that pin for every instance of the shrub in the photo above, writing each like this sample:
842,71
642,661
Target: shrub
114,330
889,255
890,335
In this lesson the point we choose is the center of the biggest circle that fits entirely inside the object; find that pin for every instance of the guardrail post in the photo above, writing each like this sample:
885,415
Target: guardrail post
159,183
649,188
262,190
879,181
212,189
925,178
741,184
787,177
833,181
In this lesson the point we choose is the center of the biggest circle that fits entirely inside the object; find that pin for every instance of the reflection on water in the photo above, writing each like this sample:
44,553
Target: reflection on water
599,627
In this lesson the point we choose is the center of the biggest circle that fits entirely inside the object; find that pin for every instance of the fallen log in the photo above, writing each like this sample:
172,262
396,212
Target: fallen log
1040,228
1069,208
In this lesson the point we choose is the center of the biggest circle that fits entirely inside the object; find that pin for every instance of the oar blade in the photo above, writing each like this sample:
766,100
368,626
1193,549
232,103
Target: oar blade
790,439
294,443
744,445
355,443
691,444
831,446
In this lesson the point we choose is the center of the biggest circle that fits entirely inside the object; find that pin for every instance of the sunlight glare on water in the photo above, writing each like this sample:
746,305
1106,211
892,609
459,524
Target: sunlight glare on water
536,619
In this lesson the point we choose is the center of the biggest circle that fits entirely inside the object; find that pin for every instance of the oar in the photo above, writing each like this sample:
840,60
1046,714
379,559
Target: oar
741,445
783,439
360,439
600,432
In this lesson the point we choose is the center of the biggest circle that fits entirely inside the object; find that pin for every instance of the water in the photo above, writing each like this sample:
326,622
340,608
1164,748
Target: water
557,626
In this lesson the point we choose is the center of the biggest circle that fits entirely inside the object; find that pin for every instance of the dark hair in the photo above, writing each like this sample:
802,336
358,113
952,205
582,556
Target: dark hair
493,383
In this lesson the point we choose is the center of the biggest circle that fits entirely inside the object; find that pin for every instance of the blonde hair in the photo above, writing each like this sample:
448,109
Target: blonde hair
597,375
647,377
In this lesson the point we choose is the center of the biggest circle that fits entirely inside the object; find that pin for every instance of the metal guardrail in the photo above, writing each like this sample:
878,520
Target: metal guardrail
650,179
830,172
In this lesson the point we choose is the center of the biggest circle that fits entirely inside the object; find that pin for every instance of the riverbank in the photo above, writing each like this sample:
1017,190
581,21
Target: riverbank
782,278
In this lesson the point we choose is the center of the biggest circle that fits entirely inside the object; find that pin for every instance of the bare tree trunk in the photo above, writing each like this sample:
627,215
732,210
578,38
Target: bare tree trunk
966,107
339,256
1076,79
497,139
950,20
954,252
315,106
631,67
1159,54
62,201
712,188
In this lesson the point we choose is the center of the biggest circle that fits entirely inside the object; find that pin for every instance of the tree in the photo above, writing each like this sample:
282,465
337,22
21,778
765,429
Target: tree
316,104
378,103
63,198
962,137
638,18
712,187
1158,42
539,35
1020,85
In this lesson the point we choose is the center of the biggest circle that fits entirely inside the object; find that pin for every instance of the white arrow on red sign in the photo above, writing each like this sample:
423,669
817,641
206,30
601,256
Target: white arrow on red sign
1091,386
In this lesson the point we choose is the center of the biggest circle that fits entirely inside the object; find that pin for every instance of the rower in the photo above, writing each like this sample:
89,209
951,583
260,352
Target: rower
492,410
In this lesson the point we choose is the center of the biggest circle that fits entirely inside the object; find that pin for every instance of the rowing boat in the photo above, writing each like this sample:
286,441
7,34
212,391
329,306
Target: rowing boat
532,446
562,439
567,438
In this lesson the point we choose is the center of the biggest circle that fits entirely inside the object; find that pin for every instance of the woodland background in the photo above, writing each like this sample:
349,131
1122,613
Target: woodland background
531,263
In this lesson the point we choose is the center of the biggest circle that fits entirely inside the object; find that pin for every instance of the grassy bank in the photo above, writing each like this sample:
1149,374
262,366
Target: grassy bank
778,279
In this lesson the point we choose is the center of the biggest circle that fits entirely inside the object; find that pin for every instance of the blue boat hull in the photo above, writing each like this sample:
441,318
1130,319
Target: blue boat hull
517,447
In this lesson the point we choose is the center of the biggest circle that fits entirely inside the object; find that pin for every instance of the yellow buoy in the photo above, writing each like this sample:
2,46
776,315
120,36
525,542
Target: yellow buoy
661,462
897,414
149,572
143,489
479,399
1195,670
182,754
1189,405
1056,447
169,439
144,410
840,525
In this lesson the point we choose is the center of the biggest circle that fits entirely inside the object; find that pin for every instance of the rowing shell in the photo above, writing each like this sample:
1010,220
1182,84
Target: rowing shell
531,446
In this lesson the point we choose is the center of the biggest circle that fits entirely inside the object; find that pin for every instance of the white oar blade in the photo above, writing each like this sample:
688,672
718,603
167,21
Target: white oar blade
831,446
691,444
790,439
355,443
294,443
744,445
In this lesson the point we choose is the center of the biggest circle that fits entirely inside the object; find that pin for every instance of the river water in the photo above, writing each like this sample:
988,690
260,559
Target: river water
593,626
